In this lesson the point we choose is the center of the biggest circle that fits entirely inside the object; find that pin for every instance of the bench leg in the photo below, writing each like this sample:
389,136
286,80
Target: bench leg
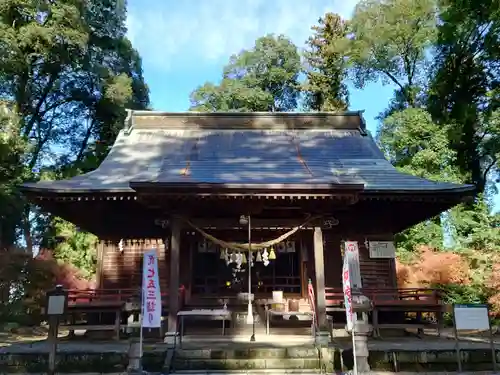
72,321
181,333
376,331
117,324
439,318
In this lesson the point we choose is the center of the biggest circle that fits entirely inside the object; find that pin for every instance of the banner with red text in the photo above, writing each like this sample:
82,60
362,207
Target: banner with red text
350,251
151,295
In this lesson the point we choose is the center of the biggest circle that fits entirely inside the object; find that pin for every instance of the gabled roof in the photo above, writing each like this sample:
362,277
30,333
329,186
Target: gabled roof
265,150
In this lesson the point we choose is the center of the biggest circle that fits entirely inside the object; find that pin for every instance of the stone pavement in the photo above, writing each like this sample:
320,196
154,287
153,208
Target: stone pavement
285,372
389,344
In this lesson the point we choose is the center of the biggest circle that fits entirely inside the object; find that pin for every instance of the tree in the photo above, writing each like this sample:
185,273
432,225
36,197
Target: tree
12,148
326,68
69,71
264,78
416,145
464,87
390,40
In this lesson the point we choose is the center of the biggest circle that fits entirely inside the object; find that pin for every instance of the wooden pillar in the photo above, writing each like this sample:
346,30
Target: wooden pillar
319,266
173,286
100,260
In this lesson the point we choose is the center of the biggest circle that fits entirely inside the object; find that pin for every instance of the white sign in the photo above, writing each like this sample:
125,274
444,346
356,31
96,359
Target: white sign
382,249
56,305
151,295
471,317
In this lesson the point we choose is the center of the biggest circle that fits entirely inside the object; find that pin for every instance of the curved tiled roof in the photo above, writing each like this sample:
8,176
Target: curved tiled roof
245,150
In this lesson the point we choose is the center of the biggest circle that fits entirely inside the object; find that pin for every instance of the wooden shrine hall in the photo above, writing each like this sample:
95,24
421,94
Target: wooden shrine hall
199,187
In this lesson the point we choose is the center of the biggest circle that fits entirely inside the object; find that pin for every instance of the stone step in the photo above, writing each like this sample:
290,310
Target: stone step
255,371
245,364
236,357
302,351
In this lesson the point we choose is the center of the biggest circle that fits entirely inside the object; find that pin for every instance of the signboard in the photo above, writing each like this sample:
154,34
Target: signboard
471,317
467,317
382,249
57,301
151,296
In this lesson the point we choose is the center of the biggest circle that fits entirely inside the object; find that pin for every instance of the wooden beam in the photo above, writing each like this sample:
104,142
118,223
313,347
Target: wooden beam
173,287
319,268
326,223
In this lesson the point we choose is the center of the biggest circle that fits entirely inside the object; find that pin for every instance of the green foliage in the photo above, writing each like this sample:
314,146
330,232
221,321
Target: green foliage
414,143
390,39
264,78
477,228
75,247
465,71
326,66
67,73
12,148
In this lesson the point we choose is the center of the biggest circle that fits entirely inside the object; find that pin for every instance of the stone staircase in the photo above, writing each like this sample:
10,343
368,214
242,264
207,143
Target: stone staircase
249,358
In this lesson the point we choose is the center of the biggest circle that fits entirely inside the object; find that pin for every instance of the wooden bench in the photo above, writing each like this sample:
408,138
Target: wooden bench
107,301
404,300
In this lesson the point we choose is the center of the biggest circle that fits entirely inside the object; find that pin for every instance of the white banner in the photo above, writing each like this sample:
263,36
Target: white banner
350,274
151,295
346,288
352,254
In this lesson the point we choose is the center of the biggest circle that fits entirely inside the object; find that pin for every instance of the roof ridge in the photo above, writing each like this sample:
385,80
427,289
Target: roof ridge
352,120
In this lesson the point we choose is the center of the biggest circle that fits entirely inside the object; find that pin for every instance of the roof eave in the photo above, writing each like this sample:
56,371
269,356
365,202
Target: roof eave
30,189
248,187
457,189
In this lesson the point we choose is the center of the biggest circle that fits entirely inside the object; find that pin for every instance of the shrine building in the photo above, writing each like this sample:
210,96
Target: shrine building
196,186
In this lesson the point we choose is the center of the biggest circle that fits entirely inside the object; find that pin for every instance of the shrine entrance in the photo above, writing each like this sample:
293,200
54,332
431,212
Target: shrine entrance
218,271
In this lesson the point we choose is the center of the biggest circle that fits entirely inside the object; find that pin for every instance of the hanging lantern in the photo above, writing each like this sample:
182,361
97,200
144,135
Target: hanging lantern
259,257
272,254
243,259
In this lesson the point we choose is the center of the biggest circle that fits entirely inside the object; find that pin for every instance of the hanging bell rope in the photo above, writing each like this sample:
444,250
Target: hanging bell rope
244,246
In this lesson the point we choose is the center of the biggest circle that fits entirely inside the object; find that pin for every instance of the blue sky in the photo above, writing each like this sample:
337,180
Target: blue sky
185,44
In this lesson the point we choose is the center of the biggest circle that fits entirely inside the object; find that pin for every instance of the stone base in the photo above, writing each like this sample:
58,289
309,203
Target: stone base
171,338
323,338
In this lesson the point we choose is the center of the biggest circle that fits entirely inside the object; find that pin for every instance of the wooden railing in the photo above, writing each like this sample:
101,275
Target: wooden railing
417,301
81,297
387,296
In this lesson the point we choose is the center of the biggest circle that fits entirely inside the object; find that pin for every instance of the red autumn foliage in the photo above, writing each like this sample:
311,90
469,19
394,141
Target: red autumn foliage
62,273
24,282
433,267
493,283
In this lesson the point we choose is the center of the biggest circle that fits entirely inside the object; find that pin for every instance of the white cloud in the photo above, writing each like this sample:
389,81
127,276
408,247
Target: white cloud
211,30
